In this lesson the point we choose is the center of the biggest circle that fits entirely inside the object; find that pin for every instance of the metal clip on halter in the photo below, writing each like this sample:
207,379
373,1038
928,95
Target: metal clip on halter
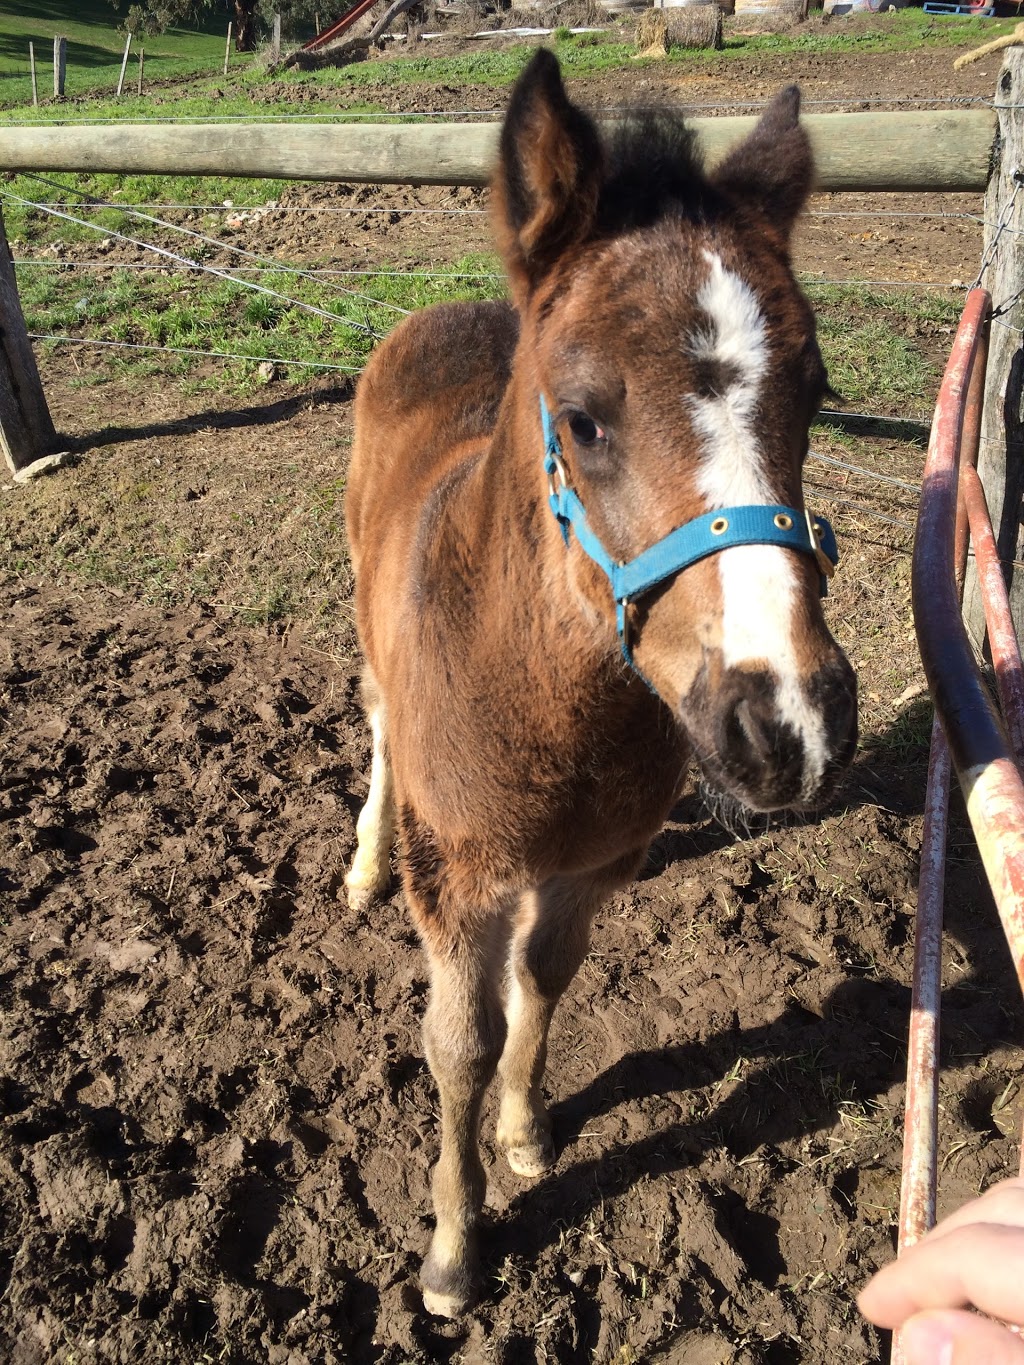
816,529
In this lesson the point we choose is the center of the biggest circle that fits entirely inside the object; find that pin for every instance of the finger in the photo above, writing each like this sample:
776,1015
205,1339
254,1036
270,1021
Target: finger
952,1338
980,1266
1001,1203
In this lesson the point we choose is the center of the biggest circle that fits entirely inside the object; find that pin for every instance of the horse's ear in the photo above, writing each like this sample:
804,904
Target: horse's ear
548,176
774,166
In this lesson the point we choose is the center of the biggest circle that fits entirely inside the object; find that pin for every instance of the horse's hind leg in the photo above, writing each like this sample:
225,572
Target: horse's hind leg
463,1032
550,941
370,872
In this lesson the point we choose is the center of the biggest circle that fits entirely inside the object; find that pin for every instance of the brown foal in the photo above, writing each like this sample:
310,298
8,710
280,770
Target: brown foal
525,764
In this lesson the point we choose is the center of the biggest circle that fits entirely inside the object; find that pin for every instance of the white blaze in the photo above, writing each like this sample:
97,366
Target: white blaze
758,581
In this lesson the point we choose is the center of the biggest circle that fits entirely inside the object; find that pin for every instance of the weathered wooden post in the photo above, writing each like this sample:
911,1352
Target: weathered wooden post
124,65
947,149
60,66
275,45
32,68
227,49
142,62
27,433
1001,451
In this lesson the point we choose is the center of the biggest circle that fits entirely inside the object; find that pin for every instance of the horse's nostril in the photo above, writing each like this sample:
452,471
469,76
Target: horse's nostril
844,714
754,729
756,735
758,751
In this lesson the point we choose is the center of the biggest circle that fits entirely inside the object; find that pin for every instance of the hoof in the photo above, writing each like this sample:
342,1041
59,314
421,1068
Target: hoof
449,1287
360,897
532,1161
362,893
446,1305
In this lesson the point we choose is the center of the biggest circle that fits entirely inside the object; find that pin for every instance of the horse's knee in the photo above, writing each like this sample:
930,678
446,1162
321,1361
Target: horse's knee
463,1044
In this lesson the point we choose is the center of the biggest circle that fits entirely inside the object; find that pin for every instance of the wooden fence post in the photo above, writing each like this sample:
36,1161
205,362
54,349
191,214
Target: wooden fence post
32,68
124,65
227,49
275,45
60,66
1001,451
142,62
27,433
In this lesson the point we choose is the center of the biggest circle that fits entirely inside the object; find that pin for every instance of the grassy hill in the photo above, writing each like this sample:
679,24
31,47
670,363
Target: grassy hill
95,47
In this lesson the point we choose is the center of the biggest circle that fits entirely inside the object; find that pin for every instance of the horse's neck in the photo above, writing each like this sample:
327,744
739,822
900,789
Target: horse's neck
510,651
526,582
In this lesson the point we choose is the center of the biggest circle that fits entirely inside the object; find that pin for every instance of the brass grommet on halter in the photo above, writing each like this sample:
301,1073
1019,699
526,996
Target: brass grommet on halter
719,526
783,521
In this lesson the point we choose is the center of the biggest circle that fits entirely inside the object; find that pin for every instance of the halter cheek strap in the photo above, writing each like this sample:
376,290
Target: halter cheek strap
752,524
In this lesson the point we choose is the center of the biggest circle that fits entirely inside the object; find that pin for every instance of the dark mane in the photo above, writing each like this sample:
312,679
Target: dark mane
653,169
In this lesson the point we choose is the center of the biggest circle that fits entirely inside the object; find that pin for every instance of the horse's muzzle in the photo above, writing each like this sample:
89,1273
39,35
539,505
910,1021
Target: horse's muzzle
773,744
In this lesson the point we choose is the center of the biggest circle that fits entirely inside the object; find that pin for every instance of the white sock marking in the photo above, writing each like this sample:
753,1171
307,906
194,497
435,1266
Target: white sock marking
375,828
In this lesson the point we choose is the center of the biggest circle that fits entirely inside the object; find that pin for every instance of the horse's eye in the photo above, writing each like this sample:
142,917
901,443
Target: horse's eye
585,430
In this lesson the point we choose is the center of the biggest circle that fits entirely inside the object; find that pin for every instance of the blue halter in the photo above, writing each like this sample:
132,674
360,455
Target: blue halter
706,535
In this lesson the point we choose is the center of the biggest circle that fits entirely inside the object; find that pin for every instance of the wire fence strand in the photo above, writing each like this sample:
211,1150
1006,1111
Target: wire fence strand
193,351
213,270
195,236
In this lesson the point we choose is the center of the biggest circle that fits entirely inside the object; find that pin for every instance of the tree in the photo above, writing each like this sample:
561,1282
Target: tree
153,16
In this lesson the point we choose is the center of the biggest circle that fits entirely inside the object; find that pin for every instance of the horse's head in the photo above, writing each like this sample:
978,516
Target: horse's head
668,339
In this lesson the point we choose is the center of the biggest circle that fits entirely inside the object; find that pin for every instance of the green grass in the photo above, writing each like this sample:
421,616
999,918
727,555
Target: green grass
202,99
897,31
185,312
871,337
95,48
871,359
872,362
29,226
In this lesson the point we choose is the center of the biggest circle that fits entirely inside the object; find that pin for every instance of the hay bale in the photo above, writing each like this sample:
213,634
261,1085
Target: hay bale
652,33
694,26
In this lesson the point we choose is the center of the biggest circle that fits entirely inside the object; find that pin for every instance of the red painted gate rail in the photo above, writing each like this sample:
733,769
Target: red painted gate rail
983,747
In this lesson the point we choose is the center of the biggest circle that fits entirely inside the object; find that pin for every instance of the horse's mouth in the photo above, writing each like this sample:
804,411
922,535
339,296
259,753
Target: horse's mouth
745,812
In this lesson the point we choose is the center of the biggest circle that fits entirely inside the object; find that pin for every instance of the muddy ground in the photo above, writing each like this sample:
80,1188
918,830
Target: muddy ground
216,1125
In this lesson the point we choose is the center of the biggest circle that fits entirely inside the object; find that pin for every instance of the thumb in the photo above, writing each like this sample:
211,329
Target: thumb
958,1338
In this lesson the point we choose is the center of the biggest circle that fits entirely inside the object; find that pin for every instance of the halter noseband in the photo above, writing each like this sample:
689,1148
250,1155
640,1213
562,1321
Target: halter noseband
751,524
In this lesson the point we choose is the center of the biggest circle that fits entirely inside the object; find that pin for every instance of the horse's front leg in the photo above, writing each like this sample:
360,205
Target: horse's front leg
550,940
370,872
463,1033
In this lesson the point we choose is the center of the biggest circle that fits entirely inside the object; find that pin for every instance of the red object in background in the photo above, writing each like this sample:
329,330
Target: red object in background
328,35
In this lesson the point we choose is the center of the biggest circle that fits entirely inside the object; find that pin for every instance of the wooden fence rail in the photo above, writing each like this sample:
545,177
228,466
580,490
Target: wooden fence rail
937,150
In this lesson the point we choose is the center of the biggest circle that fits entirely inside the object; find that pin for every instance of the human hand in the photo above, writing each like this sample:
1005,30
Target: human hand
972,1259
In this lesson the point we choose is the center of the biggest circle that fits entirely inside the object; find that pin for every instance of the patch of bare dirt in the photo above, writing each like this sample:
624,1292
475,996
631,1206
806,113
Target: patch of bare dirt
217,1124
